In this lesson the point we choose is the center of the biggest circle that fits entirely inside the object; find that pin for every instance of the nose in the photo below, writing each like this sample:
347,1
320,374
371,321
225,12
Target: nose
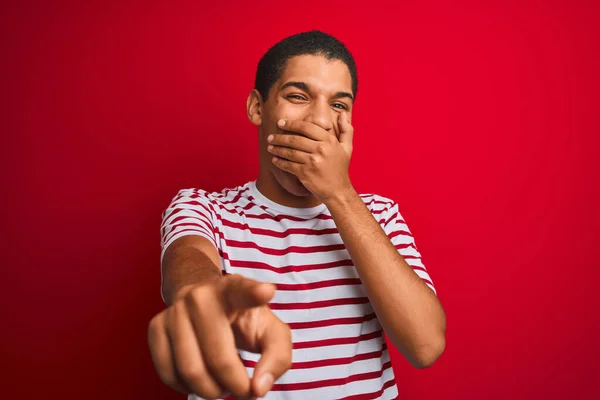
321,114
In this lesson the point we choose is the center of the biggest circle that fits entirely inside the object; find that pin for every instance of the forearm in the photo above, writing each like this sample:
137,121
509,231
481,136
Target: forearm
183,267
409,312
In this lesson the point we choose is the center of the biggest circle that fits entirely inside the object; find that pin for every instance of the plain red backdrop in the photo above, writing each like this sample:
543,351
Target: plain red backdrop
479,118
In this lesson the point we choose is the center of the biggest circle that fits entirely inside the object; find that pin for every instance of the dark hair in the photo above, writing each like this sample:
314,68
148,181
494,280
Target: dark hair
272,64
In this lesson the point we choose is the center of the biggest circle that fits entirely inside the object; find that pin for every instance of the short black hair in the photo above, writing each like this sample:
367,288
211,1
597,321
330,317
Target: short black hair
272,64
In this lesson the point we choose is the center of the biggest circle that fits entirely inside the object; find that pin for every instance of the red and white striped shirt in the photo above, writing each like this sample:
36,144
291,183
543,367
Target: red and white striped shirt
339,350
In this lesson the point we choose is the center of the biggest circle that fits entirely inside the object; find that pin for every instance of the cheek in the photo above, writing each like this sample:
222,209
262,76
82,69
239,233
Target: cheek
283,109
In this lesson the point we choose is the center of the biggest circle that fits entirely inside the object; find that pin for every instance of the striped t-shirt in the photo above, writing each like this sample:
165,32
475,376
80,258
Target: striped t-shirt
339,349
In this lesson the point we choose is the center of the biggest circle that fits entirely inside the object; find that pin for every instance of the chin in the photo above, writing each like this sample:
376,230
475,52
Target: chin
291,183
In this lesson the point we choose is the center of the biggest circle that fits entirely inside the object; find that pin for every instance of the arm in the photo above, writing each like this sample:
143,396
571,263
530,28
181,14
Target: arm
189,244
407,308
409,311
188,261
194,341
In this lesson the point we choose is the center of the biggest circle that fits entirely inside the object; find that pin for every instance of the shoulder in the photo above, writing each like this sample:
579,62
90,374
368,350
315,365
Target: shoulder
384,209
378,203
228,197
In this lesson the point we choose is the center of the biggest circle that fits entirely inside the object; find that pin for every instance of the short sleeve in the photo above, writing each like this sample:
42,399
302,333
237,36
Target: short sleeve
191,212
401,237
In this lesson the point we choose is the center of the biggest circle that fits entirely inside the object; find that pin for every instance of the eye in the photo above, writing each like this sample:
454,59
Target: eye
296,96
341,106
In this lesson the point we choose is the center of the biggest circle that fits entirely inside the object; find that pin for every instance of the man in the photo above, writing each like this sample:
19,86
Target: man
283,287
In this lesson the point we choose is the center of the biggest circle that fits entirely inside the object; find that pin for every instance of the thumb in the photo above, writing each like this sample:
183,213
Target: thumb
276,356
346,130
241,293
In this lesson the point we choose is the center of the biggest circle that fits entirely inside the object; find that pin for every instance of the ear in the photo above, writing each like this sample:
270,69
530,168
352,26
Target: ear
254,107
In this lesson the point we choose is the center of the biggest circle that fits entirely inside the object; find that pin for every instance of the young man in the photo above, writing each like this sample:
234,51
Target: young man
283,287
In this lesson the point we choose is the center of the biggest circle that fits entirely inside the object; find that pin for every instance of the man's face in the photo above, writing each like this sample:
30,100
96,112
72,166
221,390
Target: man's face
313,89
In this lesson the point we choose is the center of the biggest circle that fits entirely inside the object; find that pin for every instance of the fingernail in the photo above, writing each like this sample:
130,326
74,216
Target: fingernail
281,122
270,138
265,382
270,147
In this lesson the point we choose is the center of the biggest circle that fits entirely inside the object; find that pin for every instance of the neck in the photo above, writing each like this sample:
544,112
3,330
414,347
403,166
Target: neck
268,185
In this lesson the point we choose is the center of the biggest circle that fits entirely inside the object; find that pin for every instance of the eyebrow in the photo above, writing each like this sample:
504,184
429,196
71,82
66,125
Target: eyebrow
306,88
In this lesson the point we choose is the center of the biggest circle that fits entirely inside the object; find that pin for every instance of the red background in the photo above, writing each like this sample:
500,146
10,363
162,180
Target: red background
479,118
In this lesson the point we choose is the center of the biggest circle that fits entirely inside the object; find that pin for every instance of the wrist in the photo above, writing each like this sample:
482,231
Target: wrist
341,197
183,290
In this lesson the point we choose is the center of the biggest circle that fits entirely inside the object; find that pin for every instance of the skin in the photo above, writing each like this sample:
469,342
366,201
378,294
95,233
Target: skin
305,146
307,121
193,341
320,105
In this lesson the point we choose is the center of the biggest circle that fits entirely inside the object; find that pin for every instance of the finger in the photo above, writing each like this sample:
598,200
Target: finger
288,166
276,357
188,356
289,154
240,293
160,349
293,141
346,130
216,341
305,128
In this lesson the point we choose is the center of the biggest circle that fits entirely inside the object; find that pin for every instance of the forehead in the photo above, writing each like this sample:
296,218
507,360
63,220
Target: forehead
318,73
